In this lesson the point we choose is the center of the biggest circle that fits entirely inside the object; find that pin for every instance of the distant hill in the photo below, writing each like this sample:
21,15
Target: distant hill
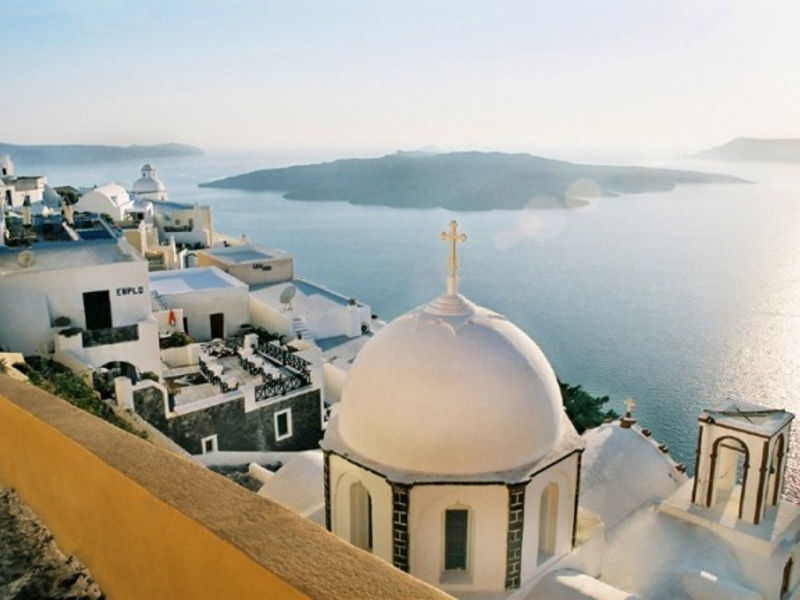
755,150
460,180
82,154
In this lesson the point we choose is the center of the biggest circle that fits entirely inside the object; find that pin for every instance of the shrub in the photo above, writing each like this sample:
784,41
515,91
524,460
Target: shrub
584,410
176,340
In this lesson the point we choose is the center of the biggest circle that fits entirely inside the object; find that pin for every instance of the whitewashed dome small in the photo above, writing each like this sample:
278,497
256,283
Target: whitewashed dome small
148,183
451,388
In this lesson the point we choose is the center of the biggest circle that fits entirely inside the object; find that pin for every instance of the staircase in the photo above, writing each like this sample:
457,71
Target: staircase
299,328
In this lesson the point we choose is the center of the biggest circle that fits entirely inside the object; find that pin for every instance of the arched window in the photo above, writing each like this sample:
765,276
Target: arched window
548,522
456,538
360,516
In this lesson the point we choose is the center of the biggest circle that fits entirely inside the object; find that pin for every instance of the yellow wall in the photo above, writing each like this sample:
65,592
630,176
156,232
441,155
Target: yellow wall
149,524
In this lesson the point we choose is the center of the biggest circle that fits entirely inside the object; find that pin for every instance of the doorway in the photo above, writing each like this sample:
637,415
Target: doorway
97,307
217,325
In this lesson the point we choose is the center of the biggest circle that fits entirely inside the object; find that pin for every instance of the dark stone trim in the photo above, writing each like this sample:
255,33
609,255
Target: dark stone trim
516,524
697,455
761,476
400,540
781,443
577,498
326,463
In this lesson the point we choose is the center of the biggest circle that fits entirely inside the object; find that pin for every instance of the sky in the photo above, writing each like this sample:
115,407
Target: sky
651,78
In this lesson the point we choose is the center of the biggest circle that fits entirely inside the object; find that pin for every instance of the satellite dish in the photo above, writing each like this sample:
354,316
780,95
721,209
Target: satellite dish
286,297
26,258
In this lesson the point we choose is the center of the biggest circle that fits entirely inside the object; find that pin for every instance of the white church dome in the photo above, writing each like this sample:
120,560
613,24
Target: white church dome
148,183
451,388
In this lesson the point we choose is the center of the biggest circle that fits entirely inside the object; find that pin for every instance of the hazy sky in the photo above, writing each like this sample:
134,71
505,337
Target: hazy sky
653,77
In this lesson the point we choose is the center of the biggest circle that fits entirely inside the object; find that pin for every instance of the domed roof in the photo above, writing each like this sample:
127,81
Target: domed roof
451,388
622,469
148,183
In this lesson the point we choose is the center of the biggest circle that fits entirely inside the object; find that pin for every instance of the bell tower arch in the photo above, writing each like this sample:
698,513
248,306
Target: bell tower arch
741,451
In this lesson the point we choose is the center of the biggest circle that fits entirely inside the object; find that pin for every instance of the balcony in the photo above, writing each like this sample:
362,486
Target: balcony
110,335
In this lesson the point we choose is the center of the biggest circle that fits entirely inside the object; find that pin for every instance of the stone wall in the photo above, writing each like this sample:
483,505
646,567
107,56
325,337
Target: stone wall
237,430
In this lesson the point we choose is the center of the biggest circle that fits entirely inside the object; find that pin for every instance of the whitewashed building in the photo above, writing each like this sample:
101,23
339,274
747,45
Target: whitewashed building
254,265
214,304
109,199
16,190
148,186
86,301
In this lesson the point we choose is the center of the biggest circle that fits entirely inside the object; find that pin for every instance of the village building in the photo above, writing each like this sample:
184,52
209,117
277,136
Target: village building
214,304
242,395
15,189
88,302
148,186
254,265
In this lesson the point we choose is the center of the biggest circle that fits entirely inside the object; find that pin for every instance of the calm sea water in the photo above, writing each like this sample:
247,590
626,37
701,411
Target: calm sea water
678,299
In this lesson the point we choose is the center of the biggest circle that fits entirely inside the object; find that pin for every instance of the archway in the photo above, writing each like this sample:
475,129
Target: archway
103,378
730,461
548,522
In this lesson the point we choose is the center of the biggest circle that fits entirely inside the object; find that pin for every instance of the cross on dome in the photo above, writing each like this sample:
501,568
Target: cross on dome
453,237
629,405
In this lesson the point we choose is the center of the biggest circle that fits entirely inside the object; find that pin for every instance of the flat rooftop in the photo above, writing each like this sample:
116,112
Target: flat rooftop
51,256
309,298
197,279
234,255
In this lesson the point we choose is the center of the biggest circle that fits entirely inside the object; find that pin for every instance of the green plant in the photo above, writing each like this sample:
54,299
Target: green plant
58,380
149,375
175,340
62,322
584,410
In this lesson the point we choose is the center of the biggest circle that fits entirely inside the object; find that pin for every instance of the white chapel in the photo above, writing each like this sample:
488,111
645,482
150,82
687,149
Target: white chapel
450,456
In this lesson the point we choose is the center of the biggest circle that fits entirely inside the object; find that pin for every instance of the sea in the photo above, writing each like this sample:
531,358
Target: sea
678,299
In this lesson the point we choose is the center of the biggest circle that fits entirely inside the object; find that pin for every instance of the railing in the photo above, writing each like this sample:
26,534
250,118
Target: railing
278,386
111,335
284,357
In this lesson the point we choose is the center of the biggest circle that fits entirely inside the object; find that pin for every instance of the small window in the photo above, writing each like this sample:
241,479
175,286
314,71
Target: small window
283,424
456,525
209,444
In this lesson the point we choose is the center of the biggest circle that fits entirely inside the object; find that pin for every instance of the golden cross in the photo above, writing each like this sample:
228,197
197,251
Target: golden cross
629,404
453,237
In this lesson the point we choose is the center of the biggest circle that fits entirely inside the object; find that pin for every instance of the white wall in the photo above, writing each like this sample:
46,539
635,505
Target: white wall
142,353
31,299
197,307
488,528
275,321
563,474
343,474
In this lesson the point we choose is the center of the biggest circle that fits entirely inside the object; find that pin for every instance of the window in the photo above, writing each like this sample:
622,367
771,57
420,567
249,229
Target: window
283,424
456,533
360,516
548,522
209,444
